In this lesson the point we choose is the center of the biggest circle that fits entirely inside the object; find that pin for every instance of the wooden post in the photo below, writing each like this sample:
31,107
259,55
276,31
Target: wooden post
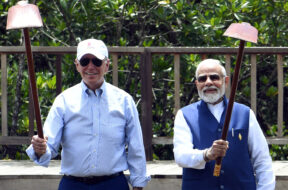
203,56
31,115
115,69
177,82
4,95
146,106
228,73
58,74
253,84
280,95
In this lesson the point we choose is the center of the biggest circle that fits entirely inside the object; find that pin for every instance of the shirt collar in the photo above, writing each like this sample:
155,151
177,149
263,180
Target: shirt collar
97,92
218,109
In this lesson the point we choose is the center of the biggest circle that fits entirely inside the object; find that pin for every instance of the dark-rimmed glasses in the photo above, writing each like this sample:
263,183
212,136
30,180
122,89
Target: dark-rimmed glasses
213,77
85,61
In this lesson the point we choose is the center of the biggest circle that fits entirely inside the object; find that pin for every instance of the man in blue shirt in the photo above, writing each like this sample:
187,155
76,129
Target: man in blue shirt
98,127
197,139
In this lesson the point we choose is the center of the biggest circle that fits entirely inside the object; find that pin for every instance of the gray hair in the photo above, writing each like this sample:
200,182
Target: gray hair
210,61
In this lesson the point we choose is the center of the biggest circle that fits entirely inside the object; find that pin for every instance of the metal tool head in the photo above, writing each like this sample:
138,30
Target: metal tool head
243,31
23,15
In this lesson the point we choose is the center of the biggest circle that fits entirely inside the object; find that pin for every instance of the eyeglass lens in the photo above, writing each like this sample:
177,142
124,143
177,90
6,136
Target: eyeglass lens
213,77
85,61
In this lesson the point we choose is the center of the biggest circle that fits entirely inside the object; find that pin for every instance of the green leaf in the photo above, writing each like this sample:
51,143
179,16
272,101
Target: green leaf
237,16
39,80
52,83
286,7
245,5
164,2
272,91
264,79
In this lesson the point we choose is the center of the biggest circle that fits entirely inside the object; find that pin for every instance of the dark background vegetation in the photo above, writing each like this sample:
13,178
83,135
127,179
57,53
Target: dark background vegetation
146,23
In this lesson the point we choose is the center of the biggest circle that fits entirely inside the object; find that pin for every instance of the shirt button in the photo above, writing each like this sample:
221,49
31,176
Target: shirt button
219,129
221,186
93,166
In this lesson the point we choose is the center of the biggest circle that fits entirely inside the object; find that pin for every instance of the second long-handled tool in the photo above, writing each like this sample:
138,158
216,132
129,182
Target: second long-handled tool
25,16
245,32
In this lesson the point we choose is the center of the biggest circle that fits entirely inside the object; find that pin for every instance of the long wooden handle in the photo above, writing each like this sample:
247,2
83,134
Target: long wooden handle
217,167
32,80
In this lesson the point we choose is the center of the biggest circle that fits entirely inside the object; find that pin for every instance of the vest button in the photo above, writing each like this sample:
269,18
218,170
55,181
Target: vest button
219,129
222,171
221,186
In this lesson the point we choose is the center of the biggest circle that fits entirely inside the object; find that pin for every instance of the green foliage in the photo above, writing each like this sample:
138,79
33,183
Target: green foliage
278,152
163,152
13,152
149,23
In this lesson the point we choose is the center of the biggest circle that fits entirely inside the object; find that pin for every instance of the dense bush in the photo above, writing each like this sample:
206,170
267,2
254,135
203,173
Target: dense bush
147,23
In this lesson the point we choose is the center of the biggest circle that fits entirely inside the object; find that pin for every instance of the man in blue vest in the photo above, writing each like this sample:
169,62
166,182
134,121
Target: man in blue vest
247,164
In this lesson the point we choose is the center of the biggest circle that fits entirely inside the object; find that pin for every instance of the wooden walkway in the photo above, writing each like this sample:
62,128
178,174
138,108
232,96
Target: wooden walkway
166,175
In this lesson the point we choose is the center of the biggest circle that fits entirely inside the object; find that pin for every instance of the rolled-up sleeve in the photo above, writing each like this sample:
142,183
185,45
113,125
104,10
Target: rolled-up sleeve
43,160
53,130
136,154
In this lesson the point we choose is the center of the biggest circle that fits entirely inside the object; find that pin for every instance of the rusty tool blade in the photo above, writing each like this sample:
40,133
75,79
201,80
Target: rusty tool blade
244,32
24,15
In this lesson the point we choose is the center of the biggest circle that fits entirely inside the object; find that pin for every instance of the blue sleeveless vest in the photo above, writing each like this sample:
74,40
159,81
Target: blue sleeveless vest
236,170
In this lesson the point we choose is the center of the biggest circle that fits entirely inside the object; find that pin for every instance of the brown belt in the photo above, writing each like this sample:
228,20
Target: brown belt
92,179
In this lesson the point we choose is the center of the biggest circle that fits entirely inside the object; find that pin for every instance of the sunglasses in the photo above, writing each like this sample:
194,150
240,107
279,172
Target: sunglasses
213,77
85,61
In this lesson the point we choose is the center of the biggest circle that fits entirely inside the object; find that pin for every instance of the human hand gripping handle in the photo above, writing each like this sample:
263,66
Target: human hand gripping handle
39,145
218,149
25,16
245,32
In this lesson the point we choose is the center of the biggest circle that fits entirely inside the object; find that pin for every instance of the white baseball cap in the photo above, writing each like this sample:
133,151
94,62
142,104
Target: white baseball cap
92,46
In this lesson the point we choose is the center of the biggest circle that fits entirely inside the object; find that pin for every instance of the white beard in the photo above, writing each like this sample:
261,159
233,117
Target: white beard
212,98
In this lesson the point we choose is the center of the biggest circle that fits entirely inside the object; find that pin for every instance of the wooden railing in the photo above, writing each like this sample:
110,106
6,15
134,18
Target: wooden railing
146,83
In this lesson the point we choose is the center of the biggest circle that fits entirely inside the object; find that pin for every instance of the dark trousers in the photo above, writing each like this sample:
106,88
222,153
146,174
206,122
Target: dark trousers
115,183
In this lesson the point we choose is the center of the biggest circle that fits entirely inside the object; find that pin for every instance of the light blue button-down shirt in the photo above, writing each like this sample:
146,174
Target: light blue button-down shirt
99,132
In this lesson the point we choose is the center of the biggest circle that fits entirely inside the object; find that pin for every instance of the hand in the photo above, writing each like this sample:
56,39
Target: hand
218,149
137,188
39,145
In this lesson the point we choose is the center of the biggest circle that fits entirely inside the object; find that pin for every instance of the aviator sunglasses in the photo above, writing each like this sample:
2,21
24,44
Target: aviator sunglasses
213,77
85,61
